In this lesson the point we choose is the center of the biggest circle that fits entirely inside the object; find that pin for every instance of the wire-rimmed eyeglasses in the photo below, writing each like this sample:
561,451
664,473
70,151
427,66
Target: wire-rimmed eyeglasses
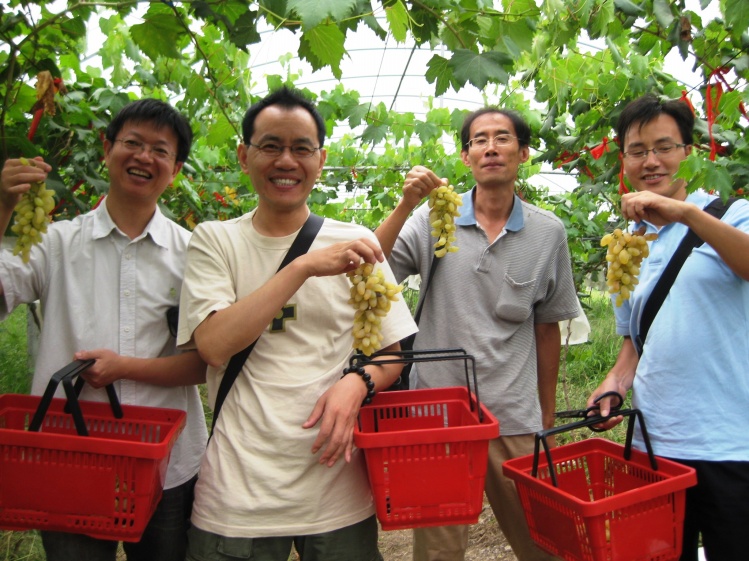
158,152
660,150
482,142
273,150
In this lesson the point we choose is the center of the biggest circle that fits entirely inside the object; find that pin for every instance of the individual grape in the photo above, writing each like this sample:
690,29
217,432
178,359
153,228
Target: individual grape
32,216
625,251
443,204
371,296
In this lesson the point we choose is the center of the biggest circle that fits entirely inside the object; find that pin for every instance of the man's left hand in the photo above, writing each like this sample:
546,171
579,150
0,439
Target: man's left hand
336,411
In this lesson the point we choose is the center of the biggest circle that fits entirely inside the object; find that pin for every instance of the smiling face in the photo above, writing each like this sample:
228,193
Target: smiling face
282,182
494,166
655,172
139,176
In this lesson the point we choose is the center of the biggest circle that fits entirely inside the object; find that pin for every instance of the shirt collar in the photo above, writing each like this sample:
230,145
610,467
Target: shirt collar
104,225
468,215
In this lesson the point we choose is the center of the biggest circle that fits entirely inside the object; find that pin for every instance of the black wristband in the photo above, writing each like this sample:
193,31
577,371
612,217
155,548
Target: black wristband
367,381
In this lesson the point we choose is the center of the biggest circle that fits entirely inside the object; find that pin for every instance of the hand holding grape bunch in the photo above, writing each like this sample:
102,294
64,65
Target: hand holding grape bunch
32,216
444,203
625,251
371,295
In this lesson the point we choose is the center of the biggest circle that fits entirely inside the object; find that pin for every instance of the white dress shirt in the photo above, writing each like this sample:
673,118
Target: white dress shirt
99,289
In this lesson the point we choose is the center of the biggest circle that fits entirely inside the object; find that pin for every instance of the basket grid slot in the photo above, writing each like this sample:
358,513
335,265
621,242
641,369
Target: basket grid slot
614,476
146,432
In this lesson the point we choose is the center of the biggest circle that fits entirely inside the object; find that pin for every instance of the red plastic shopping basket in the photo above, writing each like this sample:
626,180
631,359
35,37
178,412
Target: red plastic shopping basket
602,501
105,484
426,454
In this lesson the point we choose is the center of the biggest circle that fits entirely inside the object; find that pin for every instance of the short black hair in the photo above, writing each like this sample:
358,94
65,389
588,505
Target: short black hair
644,109
160,114
522,130
288,98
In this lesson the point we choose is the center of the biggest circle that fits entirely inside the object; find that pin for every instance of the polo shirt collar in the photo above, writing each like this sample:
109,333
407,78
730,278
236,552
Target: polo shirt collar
468,215
157,227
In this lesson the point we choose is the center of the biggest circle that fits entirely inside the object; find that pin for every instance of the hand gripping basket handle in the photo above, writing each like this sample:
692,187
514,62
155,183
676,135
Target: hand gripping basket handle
65,375
429,355
589,422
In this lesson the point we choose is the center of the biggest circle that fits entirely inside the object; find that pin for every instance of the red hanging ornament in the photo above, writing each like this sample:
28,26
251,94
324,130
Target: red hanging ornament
712,113
685,99
598,151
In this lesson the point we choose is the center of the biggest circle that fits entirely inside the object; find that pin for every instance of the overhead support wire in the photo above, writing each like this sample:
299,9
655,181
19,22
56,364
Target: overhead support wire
403,75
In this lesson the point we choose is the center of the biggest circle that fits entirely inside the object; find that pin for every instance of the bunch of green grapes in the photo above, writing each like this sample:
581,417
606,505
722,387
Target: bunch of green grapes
371,296
444,203
625,251
32,216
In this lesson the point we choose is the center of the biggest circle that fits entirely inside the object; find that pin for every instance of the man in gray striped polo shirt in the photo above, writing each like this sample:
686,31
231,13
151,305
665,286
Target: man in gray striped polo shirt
500,297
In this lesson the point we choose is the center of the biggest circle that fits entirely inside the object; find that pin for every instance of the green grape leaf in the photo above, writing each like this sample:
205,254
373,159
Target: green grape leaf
323,46
662,12
219,130
628,7
397,17
158,35
439,71
314,12
737,16
480,68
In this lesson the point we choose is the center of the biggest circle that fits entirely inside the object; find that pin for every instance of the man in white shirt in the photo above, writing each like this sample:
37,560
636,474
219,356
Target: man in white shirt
105,281
280,467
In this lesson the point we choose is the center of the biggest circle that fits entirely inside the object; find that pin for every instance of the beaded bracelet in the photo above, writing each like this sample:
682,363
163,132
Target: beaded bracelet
367,381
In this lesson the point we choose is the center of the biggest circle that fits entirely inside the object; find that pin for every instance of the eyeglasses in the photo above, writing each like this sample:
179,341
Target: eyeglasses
273,150
482,142
661,150
136,146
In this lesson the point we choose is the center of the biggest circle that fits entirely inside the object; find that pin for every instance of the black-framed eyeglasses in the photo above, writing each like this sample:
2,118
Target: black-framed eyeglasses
273,150
137,146
660,150
483,142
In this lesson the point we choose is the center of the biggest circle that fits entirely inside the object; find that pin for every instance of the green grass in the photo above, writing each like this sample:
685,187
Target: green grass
582,368
16,378
14,371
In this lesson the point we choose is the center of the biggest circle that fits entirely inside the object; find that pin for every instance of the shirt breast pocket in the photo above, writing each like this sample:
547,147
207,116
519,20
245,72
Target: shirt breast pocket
515,301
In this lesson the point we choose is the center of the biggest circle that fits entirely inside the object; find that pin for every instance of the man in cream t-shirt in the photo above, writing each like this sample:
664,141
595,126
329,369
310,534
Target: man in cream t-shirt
281,467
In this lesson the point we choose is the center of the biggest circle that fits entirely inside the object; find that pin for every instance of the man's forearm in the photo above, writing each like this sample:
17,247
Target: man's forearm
183,369
387,232
548,348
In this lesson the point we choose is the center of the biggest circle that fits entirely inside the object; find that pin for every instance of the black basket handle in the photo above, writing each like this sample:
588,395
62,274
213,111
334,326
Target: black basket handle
589,421
428,355
65,375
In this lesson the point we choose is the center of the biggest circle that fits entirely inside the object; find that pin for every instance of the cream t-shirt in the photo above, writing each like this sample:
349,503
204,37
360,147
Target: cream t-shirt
259,477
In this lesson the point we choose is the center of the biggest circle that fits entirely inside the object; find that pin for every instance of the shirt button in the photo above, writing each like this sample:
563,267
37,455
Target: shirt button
127,256
127,330
127,293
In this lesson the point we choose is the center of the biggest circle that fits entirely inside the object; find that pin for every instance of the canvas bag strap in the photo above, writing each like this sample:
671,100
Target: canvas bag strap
716,208
300,246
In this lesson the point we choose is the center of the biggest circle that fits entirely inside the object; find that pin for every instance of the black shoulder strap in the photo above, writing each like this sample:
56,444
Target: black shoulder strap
716,208
423,293
300,246
407,344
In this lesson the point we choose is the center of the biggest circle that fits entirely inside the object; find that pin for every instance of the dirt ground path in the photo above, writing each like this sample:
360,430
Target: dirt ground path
485,542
